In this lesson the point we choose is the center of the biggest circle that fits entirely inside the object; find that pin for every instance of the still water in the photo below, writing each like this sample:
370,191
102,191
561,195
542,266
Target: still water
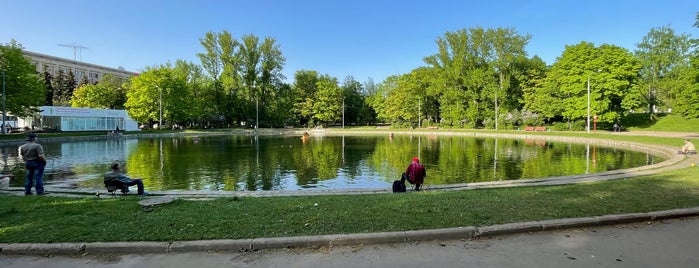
249,163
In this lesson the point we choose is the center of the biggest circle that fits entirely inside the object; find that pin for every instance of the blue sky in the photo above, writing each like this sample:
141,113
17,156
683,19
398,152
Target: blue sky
361,38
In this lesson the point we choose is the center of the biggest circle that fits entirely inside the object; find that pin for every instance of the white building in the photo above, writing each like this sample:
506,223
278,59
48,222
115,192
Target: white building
80,69
79,119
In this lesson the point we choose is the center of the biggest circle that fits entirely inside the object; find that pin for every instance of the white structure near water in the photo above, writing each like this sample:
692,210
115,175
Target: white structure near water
79,119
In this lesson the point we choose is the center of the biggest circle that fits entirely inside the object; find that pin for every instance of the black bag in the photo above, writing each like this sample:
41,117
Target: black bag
398,186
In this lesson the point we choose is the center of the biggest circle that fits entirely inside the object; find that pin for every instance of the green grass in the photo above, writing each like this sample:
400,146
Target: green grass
663,122
57,219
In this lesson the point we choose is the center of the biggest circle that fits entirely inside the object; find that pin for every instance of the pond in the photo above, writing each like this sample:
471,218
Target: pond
254,163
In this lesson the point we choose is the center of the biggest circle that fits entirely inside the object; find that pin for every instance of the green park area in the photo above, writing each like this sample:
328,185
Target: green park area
55,219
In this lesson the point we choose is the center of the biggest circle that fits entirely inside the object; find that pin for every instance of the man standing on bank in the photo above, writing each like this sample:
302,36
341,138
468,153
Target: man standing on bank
33,155
415,173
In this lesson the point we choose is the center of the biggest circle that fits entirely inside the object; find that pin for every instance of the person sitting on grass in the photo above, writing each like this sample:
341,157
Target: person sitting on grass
117,175
688,148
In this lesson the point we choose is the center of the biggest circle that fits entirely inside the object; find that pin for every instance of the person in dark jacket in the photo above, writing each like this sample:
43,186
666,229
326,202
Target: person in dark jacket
117,175
415,173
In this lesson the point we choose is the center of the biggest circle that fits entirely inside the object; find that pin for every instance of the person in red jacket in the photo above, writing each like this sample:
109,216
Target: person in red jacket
415,173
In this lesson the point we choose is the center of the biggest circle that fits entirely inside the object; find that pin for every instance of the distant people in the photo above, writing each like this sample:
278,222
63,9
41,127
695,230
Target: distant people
615,128
688,148
34,161
415,174
305,137
117,175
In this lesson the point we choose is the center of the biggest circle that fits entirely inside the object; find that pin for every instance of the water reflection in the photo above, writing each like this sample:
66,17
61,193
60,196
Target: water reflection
254,163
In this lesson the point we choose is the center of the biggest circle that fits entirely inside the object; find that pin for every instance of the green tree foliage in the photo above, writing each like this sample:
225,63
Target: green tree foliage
108,93
49,87
327,105
163,89
687,95
63,85
475,75
611,71
24,88
304,90
247,77
506,49
353,100
687,102
663,55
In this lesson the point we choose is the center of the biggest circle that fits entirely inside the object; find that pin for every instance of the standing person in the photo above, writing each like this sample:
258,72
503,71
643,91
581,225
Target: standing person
33,155
415,173
117,175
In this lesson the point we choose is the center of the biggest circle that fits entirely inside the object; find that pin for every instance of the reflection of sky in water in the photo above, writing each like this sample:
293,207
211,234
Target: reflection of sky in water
89,152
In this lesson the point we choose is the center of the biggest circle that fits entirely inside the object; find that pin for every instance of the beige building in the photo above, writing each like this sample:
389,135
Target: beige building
80,69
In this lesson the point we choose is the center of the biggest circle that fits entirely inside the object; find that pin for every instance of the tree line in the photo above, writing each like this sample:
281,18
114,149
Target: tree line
477,78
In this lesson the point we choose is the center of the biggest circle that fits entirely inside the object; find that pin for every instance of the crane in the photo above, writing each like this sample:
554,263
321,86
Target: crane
75,49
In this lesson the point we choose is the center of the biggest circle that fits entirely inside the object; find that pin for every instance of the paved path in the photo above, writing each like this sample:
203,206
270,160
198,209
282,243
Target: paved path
668,243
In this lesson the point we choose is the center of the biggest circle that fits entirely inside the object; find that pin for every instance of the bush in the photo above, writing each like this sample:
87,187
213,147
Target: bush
564,126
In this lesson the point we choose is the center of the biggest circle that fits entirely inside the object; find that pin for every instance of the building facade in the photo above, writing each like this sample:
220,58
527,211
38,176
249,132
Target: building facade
80,69
55,118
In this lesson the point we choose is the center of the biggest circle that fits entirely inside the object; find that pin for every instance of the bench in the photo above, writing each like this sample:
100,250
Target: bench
432,127
113,186
540,129
529,129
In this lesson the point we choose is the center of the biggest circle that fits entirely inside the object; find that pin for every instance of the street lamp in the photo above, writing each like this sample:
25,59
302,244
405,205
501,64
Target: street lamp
419,118
160,104
588,103
343,112
3,103
257,107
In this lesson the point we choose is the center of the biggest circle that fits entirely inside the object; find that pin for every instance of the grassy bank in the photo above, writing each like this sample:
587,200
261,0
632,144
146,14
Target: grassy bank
56,219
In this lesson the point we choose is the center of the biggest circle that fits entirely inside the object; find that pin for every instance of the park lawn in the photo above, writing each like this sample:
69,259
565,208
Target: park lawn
50,219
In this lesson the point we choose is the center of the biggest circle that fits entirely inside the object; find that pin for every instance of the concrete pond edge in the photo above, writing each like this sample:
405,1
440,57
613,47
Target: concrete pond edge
318,241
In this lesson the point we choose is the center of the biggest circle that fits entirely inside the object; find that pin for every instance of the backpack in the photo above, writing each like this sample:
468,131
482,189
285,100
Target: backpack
398,186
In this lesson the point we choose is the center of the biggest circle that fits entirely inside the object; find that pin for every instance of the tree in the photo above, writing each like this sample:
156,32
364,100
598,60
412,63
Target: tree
246,74
304,90
506,47
687,94
24,88
327,106
63,84
611,72
463,82
149,94
108,93
353,100
687,103
660,52
49,88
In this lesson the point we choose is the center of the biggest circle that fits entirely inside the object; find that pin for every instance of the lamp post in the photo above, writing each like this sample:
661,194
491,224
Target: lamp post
419,118
160,104
3,103
343,112
588,103
257,107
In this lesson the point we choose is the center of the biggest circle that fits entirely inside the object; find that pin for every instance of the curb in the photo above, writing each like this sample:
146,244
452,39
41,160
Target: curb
468,232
